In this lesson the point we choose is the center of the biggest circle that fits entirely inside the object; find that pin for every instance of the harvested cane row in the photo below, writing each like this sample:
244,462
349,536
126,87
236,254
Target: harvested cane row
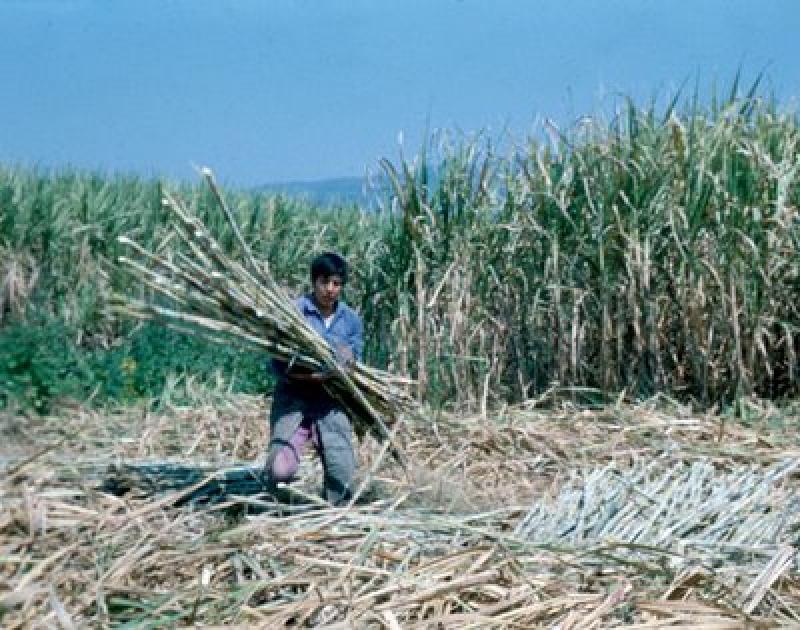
498,522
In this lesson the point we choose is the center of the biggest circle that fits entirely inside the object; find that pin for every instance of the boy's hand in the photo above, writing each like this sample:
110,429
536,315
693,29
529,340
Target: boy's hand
344,356
313,377
321,377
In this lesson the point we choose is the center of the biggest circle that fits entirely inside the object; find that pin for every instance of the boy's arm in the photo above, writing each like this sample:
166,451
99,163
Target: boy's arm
353,349
356,339
294,373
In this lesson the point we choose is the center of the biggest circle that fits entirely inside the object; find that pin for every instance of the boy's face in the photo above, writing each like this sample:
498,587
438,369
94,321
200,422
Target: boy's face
327,290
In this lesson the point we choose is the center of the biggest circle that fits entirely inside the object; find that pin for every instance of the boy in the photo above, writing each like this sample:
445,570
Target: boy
302,411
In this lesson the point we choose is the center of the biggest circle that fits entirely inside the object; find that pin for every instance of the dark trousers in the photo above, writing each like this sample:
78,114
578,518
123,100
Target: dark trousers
294,422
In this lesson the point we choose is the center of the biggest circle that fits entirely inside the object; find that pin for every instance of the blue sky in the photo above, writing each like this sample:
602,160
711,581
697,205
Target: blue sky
278,90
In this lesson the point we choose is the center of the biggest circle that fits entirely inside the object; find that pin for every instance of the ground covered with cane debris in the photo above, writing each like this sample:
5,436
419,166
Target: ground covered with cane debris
643,515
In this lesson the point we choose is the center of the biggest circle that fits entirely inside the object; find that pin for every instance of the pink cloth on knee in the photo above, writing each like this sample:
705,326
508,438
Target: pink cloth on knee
287,460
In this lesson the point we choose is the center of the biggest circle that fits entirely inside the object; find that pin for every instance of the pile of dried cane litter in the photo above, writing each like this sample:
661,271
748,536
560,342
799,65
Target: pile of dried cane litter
571,519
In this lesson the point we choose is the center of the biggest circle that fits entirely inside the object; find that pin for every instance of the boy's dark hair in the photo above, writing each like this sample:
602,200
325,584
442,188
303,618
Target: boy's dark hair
328,264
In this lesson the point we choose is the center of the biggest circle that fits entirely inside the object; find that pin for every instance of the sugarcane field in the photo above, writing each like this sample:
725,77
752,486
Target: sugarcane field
571,384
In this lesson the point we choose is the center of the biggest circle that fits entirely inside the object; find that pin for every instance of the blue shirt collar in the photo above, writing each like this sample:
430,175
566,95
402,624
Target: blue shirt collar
309,306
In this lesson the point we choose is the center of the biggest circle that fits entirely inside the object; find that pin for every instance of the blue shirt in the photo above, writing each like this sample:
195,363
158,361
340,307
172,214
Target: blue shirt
345,329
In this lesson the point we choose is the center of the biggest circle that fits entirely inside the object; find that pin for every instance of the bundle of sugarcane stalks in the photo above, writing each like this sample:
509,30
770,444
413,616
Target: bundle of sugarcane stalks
209,293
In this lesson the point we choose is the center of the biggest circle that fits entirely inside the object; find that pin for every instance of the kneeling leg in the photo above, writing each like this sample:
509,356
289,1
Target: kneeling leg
338,457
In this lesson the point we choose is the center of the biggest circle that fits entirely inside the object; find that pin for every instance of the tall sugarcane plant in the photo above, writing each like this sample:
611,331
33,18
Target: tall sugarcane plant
653,252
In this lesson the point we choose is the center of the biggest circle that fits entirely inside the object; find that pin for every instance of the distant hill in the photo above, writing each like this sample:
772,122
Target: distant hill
335,191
